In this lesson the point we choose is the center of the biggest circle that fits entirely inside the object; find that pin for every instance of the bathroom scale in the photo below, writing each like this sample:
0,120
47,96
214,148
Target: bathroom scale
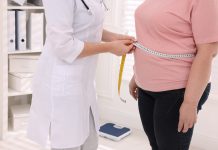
114,132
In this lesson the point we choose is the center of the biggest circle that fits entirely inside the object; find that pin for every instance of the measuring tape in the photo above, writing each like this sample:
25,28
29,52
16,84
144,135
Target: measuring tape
121,76
152,52
163,55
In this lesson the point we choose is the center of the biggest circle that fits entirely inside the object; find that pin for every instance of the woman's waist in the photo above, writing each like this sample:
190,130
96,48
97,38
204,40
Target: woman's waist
165,53
161,72
169,47
161,86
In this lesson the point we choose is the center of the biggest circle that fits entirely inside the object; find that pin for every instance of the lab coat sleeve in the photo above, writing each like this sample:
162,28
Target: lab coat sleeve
60,19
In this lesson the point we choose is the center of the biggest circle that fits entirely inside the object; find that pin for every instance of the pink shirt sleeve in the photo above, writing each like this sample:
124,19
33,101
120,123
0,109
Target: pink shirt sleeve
204,21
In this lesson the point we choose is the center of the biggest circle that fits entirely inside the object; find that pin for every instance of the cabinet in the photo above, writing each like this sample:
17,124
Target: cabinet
10,96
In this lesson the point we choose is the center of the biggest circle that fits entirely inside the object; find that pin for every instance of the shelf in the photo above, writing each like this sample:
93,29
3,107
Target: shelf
14,6
24,52
12,92
11,96
25,8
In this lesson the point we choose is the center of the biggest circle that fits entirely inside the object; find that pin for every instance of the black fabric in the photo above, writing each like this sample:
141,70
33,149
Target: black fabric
159,112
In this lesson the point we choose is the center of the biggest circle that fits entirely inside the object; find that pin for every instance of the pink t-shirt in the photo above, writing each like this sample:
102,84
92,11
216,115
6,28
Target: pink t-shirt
172,27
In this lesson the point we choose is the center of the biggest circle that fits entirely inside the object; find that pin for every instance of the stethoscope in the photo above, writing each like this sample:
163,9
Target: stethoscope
90,12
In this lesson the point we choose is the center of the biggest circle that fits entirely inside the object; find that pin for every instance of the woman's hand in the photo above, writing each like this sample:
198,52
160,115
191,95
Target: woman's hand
188,117
133,88
198,79
121,47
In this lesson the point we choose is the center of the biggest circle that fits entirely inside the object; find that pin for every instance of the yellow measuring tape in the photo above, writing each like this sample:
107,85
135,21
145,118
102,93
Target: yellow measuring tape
121,75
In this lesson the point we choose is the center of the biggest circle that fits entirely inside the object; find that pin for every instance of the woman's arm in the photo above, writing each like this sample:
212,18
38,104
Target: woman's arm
197,82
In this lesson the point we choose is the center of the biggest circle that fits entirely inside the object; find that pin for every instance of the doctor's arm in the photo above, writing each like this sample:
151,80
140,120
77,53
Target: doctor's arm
119,48
117,44
108,36
197,82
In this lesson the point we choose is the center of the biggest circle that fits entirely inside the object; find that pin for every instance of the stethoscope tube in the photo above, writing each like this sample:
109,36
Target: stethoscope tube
84,3
87,7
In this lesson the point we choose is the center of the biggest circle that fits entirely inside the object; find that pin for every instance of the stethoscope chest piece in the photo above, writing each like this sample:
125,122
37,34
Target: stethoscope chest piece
90,12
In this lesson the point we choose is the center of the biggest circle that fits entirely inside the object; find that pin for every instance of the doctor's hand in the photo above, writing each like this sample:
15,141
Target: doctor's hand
188,117
124,37
121,47
108,36
133,88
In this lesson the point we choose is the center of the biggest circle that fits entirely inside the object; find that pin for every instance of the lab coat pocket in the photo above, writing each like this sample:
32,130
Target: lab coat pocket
67,80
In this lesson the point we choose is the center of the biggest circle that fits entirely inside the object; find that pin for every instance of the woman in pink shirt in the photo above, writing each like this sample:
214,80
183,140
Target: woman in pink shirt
170,92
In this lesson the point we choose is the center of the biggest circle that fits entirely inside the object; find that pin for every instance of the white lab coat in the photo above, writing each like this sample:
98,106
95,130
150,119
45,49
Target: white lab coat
63,87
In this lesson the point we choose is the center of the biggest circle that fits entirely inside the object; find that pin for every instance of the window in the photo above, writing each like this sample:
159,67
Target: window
128,23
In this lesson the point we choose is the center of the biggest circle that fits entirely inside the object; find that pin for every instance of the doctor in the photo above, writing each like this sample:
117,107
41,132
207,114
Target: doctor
64,99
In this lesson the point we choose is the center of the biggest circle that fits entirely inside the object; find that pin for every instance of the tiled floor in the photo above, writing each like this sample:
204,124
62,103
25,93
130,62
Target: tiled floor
136,141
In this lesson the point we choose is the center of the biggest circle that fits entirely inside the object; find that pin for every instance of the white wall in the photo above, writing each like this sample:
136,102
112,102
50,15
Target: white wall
112,109
3,68
1,62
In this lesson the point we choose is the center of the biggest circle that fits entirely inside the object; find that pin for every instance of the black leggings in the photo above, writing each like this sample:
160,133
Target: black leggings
159,113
